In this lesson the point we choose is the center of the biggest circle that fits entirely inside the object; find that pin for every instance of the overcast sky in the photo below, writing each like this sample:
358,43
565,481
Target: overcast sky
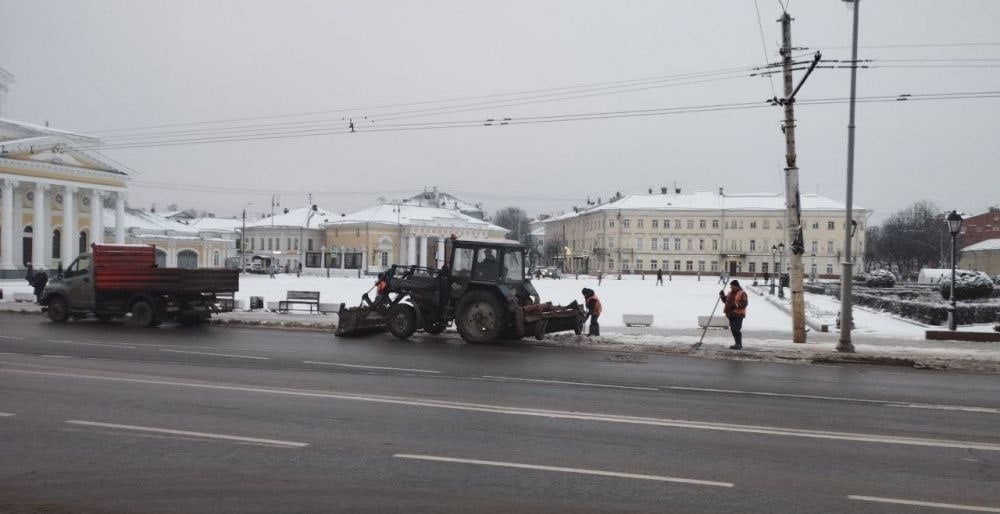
96,66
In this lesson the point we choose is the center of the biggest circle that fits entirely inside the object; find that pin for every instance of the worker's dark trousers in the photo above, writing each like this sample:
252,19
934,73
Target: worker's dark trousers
595,329
736,327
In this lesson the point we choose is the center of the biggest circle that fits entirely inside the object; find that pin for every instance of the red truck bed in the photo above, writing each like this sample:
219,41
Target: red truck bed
132,268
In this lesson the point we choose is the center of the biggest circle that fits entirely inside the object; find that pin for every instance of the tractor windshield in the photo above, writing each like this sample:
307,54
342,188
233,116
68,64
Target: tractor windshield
513,265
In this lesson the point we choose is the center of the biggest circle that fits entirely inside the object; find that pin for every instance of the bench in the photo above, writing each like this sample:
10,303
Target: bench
310,298
632,320
24,297
717,322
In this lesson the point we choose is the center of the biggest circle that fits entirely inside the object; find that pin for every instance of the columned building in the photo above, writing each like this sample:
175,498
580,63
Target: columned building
703,232
53,189
388,234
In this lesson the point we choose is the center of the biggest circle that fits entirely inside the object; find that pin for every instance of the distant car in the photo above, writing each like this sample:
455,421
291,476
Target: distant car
551,272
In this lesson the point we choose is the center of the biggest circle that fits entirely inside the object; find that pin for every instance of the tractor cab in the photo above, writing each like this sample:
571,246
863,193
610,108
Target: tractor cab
495,265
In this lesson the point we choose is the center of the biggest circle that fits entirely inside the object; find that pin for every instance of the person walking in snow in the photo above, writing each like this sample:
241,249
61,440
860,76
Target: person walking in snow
593,304
659,277
600,277
736,310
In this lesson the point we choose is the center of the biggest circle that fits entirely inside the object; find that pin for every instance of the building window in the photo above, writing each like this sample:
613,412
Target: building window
829,271
815,246
677,243
741,224
56,243
215,258
815,225
677,265
83,242
777,225
701,223
653,243
753,246
652,264
715,266
611,264
270,243
829,247
309,244
715,223
690,244
187,259
715,245
763,267
666,264
656,223
611,223
639,223
288,244
625,265
690,224
625,224
611,243
753,223
829,225
689,266
638,264
732,245
677,223
701,265
638,243
296,244
701,244
753,267
161,258
767,224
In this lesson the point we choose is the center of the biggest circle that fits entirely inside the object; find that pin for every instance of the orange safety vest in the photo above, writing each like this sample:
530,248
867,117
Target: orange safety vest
596,309
380,286
737,298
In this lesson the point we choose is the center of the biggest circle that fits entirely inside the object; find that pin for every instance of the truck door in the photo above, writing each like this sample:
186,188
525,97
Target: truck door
80,284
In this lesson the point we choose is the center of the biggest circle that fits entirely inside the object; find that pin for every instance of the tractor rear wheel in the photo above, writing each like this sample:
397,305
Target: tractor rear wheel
402,320
480,317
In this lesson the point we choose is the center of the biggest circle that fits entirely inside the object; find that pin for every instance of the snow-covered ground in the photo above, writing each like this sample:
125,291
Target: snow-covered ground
675,305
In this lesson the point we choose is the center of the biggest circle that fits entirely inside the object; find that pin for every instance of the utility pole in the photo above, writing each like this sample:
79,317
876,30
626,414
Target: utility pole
844,344
793,208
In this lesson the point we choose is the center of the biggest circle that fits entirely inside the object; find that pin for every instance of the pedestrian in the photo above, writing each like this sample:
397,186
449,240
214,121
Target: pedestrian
593,304
735,309
298,270
270,270
600,276
659,277
29,274
38,282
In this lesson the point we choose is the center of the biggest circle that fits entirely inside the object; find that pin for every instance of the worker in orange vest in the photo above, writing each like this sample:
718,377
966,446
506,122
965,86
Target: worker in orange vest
593,304
735,309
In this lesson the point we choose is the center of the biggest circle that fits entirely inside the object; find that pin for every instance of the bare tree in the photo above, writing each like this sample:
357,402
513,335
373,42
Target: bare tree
513,219
909,239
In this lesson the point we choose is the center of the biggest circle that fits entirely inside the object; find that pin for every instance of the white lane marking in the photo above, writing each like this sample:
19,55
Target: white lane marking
949,506
56,356
888,403
206,435
5,414
15,338
218,354
63,341
566,382
562,469
552,414
341,364
945,407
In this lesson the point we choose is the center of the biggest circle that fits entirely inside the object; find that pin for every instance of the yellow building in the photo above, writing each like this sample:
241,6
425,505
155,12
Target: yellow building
390,234
982,256
52,187
702,232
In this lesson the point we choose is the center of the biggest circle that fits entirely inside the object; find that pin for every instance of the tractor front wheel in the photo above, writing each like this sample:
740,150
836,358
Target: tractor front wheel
402,320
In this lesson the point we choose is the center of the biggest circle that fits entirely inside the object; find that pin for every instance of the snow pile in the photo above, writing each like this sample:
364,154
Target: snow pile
879,278
969,285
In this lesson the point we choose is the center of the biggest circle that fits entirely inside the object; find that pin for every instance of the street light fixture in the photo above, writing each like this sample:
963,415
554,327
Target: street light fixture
844,344
322,249
954,220
781,267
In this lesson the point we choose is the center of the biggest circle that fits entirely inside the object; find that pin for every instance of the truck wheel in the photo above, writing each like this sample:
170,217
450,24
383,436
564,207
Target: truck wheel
402,320
479,317
540,327
58,310
143,314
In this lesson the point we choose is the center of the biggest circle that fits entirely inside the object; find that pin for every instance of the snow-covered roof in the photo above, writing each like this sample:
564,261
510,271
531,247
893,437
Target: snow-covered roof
538,232
300,217
217,224
386,214
151,224
30,142
440,199
711,201
989,244
14,129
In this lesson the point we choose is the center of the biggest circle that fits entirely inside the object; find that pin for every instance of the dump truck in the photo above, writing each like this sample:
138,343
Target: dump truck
124,280
481,289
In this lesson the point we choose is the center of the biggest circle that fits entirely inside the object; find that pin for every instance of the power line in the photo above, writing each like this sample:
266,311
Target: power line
911,45
763,45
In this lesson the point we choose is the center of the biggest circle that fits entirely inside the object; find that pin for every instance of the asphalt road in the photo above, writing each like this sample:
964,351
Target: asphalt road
108,418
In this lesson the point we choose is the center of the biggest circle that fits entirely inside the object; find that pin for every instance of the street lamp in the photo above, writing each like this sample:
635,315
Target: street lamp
243,240
322,249
844,344
781,268
812,270
774,263
954,226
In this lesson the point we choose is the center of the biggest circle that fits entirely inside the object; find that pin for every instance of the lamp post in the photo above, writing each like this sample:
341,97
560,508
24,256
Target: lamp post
954,226
844,344
774,263
322,249
812,269
781,268
243,240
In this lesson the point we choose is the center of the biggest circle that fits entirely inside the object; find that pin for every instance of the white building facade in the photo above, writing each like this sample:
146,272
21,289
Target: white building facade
703,232
283,240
